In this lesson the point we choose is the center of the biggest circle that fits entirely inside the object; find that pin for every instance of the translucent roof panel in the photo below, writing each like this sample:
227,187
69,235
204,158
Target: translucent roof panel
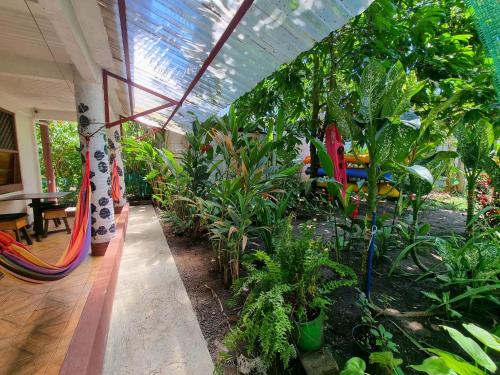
170,39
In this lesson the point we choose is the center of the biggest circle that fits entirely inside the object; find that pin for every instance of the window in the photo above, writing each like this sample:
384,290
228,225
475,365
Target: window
10,172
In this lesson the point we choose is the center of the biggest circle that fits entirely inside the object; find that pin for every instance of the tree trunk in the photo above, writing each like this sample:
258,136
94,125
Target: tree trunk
316,92
371,202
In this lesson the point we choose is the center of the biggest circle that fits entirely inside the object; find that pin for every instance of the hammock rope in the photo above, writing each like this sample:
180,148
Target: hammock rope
115,182
18,262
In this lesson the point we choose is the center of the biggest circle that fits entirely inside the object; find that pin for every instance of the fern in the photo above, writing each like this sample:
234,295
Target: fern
287,285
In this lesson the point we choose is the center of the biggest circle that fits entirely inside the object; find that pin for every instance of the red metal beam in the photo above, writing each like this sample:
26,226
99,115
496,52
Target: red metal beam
148,90
105,74
140,114
106,97
240,13
122,10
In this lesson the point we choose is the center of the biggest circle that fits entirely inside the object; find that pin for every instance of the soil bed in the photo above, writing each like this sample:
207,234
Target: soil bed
199,271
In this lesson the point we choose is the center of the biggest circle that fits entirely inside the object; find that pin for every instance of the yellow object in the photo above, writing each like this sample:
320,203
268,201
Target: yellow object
307,159
359,158
384,189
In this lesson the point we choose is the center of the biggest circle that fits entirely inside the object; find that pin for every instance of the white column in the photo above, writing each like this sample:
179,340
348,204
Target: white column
90,111
115,153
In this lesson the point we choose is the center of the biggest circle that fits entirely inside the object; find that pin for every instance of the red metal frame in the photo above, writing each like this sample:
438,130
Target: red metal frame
213,53
122,10
105,74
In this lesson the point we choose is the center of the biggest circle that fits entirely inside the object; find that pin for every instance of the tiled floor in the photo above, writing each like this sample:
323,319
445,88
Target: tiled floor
37,321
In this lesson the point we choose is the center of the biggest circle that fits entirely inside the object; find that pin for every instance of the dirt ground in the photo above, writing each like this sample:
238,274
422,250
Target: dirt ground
199,271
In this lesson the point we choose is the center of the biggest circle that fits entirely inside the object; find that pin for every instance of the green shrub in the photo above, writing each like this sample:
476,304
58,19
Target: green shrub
290,284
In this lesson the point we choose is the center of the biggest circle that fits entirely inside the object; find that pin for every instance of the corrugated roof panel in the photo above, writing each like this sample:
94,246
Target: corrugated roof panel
170,39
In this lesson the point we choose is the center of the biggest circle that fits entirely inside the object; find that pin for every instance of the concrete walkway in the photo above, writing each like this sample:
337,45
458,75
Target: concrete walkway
153,327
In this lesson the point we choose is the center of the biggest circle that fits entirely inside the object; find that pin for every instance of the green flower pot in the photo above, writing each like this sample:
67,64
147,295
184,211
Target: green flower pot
310,334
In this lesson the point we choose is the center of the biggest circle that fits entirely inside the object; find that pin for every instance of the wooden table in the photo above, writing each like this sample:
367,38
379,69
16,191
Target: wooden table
36,200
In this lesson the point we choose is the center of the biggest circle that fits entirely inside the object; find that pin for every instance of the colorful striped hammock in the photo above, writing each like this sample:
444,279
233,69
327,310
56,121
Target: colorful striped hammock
115,183
18,262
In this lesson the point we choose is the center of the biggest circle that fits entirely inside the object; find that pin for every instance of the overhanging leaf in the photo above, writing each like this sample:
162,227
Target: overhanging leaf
434,366
324,158
421,172
472,348
484,336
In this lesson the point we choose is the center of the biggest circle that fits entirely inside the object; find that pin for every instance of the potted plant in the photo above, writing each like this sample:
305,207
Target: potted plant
305,262
286,292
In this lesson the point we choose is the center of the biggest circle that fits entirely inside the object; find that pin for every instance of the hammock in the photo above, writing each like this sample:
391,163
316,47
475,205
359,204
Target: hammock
115,182
18,262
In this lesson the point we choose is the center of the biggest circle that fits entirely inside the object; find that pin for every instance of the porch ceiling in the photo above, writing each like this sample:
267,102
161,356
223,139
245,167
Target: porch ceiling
170,39
36,62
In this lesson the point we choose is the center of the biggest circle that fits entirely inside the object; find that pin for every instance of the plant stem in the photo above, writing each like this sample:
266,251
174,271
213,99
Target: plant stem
470,204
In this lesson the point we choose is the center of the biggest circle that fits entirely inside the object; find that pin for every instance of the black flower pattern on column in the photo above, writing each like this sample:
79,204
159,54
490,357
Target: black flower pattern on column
92,232
102,166
92,186
93,219
83,121
104,213
82,108
99,155
112,228
93,208
110,193
103,201
120,171
102,230
116,134
92,174
111,144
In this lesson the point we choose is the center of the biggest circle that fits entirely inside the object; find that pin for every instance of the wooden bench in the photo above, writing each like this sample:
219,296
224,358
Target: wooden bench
16,222
56,214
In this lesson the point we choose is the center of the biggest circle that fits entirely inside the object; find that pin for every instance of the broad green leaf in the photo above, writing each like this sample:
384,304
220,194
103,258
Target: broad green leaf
354,366
472,348
324,157
371,90
385,359
456,363
484,336
474,292
394,142
394,94
280,124
439,156
434,366
421,172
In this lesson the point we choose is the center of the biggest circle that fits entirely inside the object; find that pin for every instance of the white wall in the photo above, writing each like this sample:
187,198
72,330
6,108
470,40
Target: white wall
28,154
176,142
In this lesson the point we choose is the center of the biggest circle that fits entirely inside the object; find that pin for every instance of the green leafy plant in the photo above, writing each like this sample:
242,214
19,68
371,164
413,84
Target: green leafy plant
291,284
475,146
245,201
354,366
444,362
